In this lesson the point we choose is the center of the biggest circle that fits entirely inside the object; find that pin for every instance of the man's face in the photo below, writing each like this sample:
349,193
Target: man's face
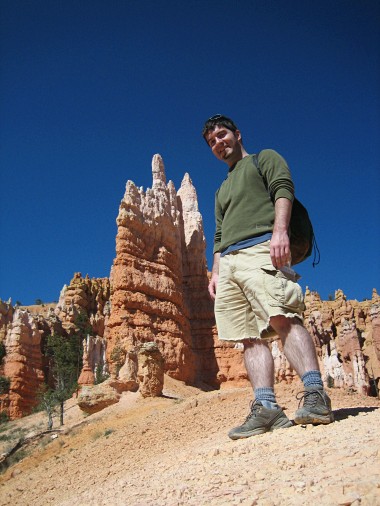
225,144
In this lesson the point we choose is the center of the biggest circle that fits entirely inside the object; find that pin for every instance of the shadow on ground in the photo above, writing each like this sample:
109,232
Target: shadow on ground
342,414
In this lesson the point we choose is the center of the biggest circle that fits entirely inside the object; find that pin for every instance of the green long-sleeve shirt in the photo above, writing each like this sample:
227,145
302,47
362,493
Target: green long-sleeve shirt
243,207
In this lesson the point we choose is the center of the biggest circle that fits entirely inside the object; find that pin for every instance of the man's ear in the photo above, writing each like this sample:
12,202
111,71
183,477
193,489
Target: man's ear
237,135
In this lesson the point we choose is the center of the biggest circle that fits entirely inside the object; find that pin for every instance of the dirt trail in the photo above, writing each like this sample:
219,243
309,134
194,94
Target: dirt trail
174,450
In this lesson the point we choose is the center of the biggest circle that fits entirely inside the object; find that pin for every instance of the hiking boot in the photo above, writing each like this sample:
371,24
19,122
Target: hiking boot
260,420
316,407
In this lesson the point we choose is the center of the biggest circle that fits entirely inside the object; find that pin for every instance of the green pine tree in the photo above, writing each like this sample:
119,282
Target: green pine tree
65,357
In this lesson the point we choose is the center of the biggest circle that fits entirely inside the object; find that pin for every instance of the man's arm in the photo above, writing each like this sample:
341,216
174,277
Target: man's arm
280,243
214,276
280,185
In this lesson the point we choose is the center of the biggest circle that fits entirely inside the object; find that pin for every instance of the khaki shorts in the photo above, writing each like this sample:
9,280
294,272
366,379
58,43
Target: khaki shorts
250,291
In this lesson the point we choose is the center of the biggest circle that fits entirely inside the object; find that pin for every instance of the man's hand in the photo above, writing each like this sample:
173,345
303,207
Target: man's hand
213,285
214,276
280,249
280,244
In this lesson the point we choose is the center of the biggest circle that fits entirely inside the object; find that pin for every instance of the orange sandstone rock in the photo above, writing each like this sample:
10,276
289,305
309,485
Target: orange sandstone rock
150,370
6,317
23,363
92,399
338,328
87,376
148,294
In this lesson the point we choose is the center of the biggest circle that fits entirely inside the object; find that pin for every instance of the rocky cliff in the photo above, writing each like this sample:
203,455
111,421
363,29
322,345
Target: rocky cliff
23,364
84,306
159,240
346,336
82,309
159,284
157,293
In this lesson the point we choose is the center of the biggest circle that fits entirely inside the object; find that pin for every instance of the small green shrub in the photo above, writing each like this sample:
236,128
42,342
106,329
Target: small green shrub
330,381
4,418
3,351
118,357
100,376
5,384
16,457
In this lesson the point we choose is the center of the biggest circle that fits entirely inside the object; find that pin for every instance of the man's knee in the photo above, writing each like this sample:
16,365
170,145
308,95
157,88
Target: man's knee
283,325
248,343
253,342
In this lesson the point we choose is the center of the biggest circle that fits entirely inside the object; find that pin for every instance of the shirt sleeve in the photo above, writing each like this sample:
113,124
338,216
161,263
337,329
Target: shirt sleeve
277,174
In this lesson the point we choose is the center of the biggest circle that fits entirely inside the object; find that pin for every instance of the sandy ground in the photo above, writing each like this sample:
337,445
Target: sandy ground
174,450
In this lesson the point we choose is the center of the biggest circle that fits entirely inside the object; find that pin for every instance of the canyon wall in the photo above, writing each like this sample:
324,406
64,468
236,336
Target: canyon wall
84,308
346,335
23,363
81,310
157,293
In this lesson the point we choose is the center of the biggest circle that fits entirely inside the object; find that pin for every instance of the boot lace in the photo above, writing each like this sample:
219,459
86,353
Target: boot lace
311,398
255,408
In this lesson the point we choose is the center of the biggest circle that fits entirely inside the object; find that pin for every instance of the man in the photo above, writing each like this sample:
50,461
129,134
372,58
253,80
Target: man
255,291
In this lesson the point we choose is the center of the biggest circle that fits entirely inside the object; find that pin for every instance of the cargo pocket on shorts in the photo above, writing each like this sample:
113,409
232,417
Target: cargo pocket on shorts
281,291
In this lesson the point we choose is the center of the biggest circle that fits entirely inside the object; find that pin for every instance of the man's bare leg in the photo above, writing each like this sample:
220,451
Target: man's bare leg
265,414
298,344
300,351
258,363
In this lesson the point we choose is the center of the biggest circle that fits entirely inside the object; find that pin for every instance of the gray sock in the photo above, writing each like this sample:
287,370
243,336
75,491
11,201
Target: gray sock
312,379
266,397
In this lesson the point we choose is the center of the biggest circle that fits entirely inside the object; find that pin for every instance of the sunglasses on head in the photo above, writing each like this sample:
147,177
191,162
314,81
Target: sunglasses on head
217,116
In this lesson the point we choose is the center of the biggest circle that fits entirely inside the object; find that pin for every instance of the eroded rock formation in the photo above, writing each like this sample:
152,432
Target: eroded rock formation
149,300
6,317
345,334
97,397
84,305
150,372
23,364
199,306
157,293
84,296
83,308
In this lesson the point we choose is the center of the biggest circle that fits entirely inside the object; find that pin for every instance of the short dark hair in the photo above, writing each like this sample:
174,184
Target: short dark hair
218,120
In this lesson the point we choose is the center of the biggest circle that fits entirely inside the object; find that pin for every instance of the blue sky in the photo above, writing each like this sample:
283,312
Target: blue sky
90,90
